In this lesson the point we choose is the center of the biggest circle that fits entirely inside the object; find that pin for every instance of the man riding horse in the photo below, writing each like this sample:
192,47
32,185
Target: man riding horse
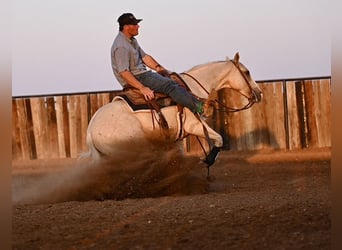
129,63
116,123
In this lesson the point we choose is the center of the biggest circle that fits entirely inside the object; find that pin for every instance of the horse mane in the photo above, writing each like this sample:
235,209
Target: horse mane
196,67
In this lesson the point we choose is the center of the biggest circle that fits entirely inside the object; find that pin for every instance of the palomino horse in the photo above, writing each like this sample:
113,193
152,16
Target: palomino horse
116,124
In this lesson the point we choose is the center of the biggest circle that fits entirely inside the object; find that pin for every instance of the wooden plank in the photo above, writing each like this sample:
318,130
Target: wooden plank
78,122
325,120
294,130
22,126
73,126
93,104
89,114
29,130
39,119
53,148
318,101
99,100
84,122
259,133
66,125
248,128
235,120
104,98
60,127
278,128
16,143
78,125
262,132
311,114
302,125
25,127
274,115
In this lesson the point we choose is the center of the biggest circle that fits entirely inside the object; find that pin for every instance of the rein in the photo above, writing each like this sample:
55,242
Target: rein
227,109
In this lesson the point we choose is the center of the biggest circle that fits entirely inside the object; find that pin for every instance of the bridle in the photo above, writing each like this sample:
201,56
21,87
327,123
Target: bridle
251,100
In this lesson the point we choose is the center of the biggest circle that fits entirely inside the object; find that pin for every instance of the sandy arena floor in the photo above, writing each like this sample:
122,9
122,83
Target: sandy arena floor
253,200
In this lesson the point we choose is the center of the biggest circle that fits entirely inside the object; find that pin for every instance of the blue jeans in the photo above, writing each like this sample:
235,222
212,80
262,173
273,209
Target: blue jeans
165,85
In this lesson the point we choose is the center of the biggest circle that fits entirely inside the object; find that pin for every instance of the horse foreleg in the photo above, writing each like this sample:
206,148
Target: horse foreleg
197,127
194,126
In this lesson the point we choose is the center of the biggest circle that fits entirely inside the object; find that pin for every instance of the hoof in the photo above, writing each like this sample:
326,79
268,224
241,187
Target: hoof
211,158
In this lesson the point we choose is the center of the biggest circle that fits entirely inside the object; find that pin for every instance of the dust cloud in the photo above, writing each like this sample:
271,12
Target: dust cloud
138,170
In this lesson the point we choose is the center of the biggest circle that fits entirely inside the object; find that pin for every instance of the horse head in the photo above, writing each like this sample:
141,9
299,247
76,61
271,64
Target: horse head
238,77
232,74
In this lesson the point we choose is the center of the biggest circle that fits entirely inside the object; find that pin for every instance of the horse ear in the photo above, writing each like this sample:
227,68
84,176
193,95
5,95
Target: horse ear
236,57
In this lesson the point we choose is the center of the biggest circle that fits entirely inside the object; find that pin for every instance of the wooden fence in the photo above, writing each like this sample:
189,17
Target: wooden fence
293,114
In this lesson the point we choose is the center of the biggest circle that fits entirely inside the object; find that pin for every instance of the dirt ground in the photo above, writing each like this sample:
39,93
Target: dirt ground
253,200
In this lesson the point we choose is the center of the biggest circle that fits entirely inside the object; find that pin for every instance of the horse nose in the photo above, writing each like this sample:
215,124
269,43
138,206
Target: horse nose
257,96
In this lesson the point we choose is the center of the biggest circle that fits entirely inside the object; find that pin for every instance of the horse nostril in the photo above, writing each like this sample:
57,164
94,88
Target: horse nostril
257,96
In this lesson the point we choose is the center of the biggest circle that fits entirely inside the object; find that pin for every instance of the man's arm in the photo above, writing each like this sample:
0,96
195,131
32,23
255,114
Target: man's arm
153,64
131,80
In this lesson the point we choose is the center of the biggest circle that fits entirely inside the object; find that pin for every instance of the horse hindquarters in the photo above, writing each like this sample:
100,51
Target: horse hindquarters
112,128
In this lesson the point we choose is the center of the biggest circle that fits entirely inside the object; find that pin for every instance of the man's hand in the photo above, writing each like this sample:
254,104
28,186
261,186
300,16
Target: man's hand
132,81
147,92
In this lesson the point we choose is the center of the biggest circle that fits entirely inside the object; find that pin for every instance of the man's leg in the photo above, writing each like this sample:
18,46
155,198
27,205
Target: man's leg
169,87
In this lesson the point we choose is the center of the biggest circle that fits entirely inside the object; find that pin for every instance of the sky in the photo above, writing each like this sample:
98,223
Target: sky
64,46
